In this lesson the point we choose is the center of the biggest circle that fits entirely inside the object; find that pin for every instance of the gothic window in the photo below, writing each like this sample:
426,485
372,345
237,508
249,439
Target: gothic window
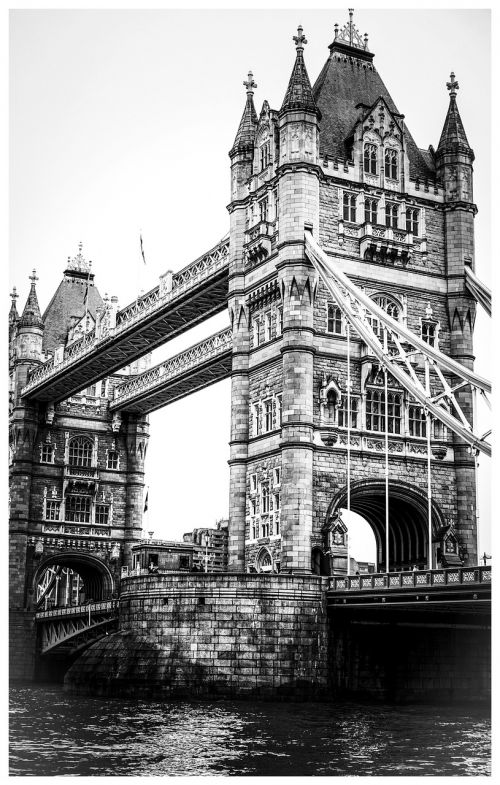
256,336
257,419
349,204
52,509
264,155
412,220
370,159
113,459
391,164
102,514
47,453
253,482
268,415
80,451
416,421
103,388
342,412
334,322
279,321
265,527
265,500
276,203
253,507
277,476
391,307
264,207
429,332
279,410
267,326
375,411
371,207
391,215
255,529
265,563
77,509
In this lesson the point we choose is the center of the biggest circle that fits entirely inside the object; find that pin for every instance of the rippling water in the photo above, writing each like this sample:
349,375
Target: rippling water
52,733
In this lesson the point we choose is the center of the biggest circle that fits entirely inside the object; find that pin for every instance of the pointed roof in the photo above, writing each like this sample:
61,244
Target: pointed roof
348,79
31,316
299,93
13,314
245,135
453,137
75,295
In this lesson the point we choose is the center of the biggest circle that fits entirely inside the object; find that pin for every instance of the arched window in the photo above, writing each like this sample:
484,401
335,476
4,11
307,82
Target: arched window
391,164
264,562
390,306
370,159
349,207
391,216
80,451
375,411
265,155
412,220
334,322
371,208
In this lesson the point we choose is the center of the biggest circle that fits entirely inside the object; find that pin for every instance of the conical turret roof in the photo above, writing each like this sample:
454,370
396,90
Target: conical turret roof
453,136
299,94
245,135
31,316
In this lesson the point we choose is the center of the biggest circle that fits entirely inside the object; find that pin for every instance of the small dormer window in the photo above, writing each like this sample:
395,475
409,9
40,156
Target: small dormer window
391,216
391,164
370,159
412,220
349,211
265,150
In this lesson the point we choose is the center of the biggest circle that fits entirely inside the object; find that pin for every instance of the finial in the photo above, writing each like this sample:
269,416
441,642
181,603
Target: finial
428,311
14,295
33,278
452,85
336,30
351,24
365,38
300,39
350,35
250,84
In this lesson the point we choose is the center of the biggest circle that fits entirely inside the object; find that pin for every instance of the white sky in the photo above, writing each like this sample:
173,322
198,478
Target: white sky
121,121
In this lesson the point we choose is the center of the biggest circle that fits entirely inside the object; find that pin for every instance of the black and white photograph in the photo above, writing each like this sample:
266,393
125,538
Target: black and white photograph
250,373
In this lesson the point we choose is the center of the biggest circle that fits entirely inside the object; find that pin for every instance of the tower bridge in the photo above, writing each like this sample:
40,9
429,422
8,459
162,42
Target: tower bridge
352,308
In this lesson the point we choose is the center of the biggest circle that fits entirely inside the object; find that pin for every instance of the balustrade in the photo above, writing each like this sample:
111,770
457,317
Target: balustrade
413,579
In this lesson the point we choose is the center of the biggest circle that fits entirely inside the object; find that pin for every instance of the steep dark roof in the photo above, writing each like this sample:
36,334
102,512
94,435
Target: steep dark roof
453,135
299,92
349,78
245,135
31,316
67,306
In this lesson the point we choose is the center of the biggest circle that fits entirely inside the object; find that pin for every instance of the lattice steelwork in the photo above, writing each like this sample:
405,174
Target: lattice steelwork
197,292
360,310
205,363
71,629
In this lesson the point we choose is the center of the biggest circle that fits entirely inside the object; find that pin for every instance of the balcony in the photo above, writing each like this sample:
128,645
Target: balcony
82,479
76,529
258,240
383,244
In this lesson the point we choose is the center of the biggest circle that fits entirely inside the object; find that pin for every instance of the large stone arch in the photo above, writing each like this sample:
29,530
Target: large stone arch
408,519
98,580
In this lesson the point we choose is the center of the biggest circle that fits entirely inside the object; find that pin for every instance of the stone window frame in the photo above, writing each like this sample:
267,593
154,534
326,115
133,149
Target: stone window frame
391,163
370,158
355,407
267,326
47,447
392,215
375,409
417,421
265,498
259,416
82,508
52,509
371,210
429,328
112,457
81,456
276,476
334,319
264,554
102,514
412,221
264,209
349,206
265,154
256,332
388,303
279,320
253,483
268,414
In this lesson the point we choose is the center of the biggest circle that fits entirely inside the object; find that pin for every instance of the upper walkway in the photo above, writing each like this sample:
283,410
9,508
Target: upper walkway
182,300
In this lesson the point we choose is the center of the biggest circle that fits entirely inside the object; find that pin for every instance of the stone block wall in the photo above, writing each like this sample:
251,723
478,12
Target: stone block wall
208,635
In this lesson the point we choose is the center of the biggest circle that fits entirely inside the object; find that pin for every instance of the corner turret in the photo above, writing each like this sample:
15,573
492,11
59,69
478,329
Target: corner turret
30,327
242,151
454,155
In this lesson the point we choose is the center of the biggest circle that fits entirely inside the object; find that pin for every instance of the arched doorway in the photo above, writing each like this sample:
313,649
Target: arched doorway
264,561
71,578
408,520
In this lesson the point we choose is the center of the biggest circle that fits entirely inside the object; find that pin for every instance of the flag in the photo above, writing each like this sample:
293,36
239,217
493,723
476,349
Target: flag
146,501
142,250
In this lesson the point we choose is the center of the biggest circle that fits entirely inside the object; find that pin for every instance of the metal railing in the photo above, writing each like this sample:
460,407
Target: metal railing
79,610
411,579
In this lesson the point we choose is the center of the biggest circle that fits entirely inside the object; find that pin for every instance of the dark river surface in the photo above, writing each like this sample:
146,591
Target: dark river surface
54,734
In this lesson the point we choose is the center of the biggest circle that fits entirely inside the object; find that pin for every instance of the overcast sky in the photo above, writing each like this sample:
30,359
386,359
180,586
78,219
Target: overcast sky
121,121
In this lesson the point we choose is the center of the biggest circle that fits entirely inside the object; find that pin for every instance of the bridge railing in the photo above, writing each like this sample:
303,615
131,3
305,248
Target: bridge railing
78,610
189,276
413,579
169,369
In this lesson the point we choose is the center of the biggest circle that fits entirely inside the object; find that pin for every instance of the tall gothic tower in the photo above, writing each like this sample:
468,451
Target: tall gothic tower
338,159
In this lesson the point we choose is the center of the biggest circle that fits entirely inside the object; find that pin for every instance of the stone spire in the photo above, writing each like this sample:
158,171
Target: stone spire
31,316
248,124
453,138
299,92
13,315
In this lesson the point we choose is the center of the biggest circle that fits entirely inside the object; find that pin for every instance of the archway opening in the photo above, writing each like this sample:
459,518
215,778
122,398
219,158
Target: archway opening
362,544
71,579
408,522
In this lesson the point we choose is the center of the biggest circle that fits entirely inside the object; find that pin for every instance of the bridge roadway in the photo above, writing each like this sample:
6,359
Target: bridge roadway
196,293
456,596
71,628
205,363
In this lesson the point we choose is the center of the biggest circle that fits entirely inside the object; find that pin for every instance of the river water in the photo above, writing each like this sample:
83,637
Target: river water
54,734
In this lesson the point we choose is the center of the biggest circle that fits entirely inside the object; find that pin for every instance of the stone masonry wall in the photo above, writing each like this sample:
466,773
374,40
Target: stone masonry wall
212,634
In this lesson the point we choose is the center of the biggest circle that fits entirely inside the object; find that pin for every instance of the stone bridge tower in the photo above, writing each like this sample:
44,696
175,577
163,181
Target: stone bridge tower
76,472
338,159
